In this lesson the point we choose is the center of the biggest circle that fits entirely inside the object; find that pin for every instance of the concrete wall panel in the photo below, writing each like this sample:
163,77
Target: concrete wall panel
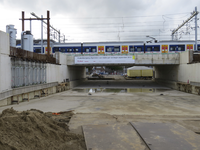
63,59
5,80
5,62
189,72
184,57
4,43
184,72
167,72
53,73
64,72
76,73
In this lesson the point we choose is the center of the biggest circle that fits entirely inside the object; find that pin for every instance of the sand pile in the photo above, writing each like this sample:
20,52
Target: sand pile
35,130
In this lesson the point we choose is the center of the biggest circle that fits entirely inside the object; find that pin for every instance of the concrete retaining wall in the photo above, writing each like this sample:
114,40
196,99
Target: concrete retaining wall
5,62
18,95
54,75
184,77
76,75
185,72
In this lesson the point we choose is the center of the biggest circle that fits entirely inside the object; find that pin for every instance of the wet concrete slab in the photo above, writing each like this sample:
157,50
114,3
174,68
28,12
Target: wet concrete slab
121,84
167,136
168,102
112,137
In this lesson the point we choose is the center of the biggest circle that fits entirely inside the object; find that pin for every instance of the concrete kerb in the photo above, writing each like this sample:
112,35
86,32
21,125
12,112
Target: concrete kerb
30,92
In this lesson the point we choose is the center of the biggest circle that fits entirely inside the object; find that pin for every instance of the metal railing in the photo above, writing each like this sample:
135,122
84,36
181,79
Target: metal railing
23,54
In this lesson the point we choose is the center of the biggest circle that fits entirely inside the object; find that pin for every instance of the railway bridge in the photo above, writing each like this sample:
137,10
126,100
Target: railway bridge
25,72
149,59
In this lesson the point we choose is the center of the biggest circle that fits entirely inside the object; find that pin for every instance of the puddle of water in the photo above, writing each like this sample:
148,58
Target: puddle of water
127,90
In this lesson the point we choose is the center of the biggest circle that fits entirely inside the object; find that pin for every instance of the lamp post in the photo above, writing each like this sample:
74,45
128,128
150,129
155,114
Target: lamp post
151,38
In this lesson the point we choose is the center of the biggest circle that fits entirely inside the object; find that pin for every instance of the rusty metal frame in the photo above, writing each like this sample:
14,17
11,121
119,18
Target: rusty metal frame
48,28
31,56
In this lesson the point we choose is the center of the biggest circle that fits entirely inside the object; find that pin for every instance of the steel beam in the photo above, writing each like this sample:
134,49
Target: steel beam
194,13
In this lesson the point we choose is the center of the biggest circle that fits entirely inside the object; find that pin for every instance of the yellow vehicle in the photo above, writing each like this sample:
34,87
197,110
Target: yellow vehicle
140,72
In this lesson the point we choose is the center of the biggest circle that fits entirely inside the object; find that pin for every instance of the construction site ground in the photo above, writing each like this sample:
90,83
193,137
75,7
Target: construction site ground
116,104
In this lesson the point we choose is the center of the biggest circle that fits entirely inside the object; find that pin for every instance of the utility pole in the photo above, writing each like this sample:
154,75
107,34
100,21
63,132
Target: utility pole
48,34
59,35
41,33
30,26
195,13
22,20
196,30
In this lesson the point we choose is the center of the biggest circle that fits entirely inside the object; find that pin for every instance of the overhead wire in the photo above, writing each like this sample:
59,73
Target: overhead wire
121,26
118,17
114,23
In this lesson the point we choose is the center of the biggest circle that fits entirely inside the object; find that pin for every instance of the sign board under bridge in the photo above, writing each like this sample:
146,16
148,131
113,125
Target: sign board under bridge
104,59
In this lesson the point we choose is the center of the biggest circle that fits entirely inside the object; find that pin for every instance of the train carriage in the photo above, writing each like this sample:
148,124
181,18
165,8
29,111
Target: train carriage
67,48
118,47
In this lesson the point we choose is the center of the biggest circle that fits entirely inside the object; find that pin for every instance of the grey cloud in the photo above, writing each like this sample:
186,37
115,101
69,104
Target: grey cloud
93,12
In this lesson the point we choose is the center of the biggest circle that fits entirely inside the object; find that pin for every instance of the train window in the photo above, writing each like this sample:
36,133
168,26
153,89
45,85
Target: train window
131,49
38,50
56,49
109,49
116,49
149,49
181,48
87,50
68,50
93,49
172,48
198,48
139,49
157,49
76,49
62,49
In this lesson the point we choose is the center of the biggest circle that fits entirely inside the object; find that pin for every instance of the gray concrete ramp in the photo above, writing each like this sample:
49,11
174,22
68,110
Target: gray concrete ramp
112,137
167,136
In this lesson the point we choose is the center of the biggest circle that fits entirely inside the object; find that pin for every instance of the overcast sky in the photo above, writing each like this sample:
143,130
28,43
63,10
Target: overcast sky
103,20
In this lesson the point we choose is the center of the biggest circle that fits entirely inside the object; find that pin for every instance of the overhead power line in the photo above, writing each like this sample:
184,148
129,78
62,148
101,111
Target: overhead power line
118,23
193,14
120,17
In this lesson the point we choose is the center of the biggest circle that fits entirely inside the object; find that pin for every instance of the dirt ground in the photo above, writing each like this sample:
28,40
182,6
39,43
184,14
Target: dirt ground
35,130
131,101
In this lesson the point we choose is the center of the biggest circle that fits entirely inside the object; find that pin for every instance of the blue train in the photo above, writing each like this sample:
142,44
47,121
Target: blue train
118,47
